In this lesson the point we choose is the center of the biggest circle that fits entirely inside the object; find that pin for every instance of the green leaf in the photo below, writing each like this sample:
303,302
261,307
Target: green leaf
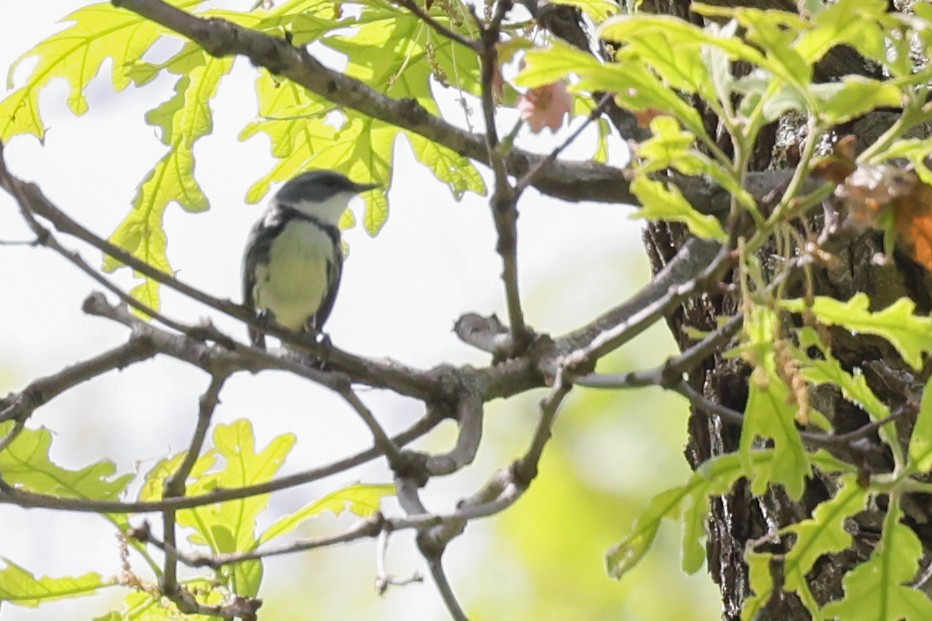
854,96
911,334
97,33
26,464
671,147
597,10
234,520
827,370
823,533
629,552
295,124
449,167
682,34
360,499
153,484
920,443
672,48
769,412
18,586
183,119
879,588
548,65
846,22
305,20
665,202
230,526
715,476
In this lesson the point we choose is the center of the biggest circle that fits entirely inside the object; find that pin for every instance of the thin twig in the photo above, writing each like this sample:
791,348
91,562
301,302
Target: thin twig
23,498
383,579
504,199
526,180
526,467
844,441
671,372
19,242
425,17
382,440
175,486
435,563
28,197
19,406
585,357
363,529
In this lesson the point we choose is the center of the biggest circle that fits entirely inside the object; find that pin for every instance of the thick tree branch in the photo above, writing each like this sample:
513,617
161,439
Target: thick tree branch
219,37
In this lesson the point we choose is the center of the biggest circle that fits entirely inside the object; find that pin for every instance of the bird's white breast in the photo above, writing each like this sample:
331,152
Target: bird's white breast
293,283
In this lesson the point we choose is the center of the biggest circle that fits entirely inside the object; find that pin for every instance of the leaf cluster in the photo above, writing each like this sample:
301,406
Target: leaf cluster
660,66
233,461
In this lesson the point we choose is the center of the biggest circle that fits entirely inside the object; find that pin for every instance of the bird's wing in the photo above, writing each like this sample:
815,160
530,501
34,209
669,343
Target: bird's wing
334,272
257,251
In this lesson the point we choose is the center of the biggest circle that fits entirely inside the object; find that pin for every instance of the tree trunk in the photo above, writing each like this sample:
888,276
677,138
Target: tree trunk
740,519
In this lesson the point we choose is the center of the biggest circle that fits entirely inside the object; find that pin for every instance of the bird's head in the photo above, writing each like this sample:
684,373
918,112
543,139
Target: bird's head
323,194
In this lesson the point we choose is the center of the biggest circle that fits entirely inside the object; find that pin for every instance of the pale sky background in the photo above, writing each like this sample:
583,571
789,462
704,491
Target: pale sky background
400,295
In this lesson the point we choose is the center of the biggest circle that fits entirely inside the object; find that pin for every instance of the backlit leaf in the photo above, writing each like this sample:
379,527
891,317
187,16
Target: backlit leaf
97,33
666,202
26,464
911,334
879,588
360,499
920,443
18,586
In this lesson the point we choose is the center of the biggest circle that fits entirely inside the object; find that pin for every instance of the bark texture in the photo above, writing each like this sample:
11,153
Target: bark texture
740,518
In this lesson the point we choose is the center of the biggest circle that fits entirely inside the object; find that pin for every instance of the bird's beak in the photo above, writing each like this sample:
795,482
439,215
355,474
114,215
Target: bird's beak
365,187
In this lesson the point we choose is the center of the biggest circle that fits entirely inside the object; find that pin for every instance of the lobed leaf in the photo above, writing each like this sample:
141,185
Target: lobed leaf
770,411
360,499
879,588
25,463
828,370
854,96
229,526
97,33
716,476
183,119
597,10
19,586
660,201
769,414
671,147
920,443
855,23
909,333
448,166
823,533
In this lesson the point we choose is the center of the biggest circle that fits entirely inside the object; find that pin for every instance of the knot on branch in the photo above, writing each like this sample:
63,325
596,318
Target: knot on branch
413,467
486,333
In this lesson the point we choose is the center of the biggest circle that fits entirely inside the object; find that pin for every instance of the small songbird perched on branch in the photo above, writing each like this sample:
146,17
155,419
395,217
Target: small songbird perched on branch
293,258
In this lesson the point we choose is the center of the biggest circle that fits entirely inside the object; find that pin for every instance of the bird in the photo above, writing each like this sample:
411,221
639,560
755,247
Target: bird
293,259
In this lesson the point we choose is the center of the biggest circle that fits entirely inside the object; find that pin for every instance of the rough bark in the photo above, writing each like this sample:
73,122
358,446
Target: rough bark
740,518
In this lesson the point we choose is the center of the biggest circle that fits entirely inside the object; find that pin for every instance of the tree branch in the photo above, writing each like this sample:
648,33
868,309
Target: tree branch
20,406
27,499
218,37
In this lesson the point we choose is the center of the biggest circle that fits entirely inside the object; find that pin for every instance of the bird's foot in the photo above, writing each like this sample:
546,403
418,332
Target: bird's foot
256,337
